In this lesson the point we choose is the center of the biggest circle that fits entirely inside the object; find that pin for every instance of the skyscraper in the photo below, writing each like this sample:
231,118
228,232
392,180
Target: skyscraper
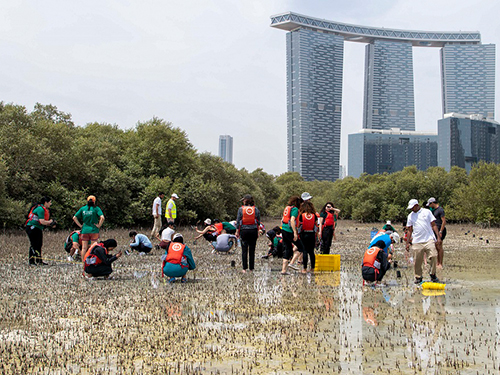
314,90
468,78
314,99
226,148
389,99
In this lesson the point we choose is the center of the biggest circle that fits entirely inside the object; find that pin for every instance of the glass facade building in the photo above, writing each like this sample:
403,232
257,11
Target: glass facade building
226,148
314,93
388,151
314,99
468,79
465,140
389,95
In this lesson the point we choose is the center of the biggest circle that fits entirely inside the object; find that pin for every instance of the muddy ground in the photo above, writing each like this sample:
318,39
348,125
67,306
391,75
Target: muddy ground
53,321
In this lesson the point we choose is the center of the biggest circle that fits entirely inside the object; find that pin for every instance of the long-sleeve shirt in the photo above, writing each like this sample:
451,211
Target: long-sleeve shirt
141,238
176,270
101,254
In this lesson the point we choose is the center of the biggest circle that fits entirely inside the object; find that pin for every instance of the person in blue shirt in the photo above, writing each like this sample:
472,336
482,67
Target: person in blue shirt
388,239
177,260
140,242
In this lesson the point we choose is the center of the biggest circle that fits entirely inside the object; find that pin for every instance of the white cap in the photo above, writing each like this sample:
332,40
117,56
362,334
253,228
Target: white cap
412,203
208,221
306,196
431,200
388,222
177,235
395,237
175,196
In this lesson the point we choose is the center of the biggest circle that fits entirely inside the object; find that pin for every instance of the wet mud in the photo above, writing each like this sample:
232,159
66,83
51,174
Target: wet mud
53,321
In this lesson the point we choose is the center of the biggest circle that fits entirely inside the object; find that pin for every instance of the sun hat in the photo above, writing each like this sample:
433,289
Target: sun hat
306,196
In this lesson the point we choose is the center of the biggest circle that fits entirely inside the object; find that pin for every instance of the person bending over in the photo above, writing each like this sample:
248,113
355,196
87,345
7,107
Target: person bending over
225,243
177,260
140,242
97,260
375,263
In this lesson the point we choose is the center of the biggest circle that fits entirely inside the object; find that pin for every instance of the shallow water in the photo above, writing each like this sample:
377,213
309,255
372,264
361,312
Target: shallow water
222,321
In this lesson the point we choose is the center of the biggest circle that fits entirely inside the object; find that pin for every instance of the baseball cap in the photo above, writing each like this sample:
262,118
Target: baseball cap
412,203
175,196
208,221
388,222
306,196
246,196
91,198
431,200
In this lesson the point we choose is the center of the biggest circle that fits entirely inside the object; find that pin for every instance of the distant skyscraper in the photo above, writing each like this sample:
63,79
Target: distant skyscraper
314,99
468,78
226,148
388,151
389,99
467,139
314,89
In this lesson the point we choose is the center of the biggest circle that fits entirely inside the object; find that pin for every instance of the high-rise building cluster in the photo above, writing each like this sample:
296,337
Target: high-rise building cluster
388,141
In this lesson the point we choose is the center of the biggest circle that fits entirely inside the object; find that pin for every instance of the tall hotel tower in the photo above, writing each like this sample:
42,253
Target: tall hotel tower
226,148
314,93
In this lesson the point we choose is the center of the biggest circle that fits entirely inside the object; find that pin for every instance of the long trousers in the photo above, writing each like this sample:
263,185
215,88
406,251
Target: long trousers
248,243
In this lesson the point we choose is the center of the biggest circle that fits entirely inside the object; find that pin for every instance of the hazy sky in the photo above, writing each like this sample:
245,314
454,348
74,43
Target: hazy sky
209,67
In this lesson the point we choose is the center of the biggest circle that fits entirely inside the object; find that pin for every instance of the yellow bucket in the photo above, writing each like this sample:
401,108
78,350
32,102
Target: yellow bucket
327,262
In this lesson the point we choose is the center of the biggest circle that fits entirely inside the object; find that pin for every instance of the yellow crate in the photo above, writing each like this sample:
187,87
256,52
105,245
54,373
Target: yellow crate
327,262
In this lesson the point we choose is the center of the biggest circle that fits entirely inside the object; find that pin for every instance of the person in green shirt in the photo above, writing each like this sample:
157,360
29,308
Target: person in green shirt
89,218
38,217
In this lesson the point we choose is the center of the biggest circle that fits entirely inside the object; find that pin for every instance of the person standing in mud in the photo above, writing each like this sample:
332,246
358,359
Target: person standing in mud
289,232
38,217
327,218
247,228
89,218
157,215
308,231
422,233
438,213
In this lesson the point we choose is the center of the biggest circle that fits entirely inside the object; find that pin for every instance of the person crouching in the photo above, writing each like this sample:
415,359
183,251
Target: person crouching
140,242
177,260
97,260
375,263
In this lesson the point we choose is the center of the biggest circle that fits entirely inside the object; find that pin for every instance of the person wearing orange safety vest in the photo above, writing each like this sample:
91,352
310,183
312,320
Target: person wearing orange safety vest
177,260
327,218
97,260
375,263
308,231
38,218
247,228
289,223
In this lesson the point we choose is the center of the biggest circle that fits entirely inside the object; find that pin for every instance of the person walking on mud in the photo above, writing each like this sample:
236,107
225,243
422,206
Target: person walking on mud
289,232
422,233
89,218
157,215
438,213
38,217
247,228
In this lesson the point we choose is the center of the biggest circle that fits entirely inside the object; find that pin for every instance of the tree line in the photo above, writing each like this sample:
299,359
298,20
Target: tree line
42,152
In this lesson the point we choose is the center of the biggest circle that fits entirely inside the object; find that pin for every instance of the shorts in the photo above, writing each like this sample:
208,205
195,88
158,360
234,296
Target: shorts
90,237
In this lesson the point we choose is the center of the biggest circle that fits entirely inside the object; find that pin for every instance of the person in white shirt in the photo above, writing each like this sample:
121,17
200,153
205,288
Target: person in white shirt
166,235
157,215
422,233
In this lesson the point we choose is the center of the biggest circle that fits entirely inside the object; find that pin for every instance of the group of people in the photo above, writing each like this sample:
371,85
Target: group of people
425,231
302,230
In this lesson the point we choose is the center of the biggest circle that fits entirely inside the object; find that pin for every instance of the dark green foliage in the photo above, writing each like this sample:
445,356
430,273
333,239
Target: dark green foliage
43,153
